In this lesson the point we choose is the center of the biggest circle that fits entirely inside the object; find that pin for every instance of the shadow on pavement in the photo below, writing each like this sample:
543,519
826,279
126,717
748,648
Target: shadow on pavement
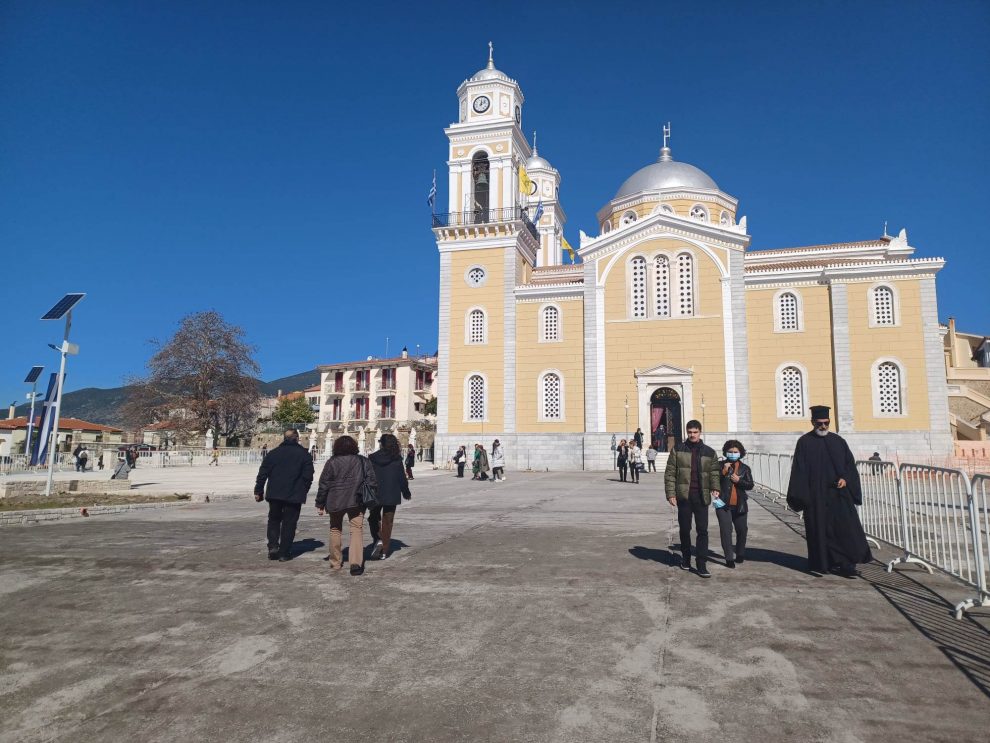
784,559
964,642
664,557
306,545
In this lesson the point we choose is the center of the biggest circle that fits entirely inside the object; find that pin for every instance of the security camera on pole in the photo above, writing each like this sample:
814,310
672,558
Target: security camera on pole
62,309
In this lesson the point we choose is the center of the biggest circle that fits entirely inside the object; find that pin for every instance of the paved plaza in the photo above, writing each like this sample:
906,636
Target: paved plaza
546,608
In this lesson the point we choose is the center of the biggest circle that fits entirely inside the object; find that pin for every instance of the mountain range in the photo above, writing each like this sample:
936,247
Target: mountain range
103,405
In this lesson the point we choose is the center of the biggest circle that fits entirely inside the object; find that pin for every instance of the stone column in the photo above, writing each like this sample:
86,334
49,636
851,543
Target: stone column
843,420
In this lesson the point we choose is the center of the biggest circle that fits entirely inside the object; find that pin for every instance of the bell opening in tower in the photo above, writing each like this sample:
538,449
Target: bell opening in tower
665,419
479,183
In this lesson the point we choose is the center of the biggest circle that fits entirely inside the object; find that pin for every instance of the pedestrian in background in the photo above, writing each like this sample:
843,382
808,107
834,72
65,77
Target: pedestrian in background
215,457
638,438
393,486
622,459
410,461
483,466
691,480
498,461
337,494
635,462
288,473
732,507
651,459
460,459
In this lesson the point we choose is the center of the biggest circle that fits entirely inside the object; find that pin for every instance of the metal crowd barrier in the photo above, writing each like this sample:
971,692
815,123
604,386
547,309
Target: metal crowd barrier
938,517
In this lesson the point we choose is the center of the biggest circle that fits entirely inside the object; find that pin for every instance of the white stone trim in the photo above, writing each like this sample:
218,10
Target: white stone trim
467,326
467,275
706,219
541,327
740,340
902,381
872,305
443,344
467,397
664,375
633,244
660,226
778,381
777,328
936,384
841,359
630,314
600,355
509,268
540,392
728,342
628,217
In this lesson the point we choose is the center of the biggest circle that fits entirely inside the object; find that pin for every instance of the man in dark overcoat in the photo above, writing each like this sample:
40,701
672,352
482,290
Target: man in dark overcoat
288,471
825,488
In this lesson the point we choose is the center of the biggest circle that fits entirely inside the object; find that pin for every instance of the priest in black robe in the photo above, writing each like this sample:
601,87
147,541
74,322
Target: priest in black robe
825,487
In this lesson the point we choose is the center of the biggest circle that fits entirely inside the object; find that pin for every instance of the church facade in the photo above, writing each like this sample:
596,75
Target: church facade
668,316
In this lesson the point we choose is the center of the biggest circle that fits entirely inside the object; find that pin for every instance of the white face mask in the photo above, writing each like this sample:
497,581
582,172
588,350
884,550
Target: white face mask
823,432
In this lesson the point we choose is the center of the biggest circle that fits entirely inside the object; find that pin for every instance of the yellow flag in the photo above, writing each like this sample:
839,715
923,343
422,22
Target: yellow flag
567,247
525,184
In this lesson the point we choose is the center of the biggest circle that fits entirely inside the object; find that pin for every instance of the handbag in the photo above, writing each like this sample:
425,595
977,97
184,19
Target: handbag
368,489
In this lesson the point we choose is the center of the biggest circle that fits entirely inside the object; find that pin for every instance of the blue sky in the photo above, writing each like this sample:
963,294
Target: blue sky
271,160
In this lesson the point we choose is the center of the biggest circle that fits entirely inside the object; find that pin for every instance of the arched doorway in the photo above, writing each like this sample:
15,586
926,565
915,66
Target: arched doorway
665,419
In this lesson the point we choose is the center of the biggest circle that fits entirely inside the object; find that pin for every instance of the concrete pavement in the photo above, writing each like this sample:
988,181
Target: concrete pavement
546,608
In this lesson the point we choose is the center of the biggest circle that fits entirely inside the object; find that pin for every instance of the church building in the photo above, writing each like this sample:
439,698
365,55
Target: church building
669,314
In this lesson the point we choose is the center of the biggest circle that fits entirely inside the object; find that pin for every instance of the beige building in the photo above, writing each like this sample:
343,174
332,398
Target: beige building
967,371
366,398
670,314
71,431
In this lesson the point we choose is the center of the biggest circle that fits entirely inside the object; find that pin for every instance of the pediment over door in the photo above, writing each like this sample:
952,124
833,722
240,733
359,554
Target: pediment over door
664,370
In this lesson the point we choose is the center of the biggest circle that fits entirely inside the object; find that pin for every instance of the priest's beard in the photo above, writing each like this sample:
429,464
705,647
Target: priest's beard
823,432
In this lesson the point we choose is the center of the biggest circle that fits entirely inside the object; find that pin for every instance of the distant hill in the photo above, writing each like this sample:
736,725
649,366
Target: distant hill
103,405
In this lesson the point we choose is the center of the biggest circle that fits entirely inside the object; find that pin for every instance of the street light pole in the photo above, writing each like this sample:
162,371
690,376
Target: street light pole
627,416
53,446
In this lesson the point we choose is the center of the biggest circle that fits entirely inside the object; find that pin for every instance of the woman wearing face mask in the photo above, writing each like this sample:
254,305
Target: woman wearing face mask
731,507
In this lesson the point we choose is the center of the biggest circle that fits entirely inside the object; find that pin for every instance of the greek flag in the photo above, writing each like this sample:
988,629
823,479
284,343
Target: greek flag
539,211
40,451
432,198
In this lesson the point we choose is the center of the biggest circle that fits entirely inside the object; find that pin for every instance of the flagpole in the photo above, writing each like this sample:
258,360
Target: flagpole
53,446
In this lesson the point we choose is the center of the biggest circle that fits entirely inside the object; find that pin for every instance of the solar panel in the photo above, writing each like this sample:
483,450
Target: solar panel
33,375
65,304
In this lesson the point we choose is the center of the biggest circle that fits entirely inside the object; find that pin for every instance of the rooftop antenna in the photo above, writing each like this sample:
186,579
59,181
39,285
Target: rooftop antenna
665,155
491,56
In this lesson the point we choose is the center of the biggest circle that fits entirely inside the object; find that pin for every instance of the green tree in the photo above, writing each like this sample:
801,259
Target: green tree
431,406
292,411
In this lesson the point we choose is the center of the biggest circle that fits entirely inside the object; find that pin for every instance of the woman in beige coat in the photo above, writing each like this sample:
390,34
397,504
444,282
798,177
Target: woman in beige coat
337,495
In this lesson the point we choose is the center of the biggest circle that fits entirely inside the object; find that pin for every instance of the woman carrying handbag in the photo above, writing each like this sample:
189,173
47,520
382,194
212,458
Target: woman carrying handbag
345,476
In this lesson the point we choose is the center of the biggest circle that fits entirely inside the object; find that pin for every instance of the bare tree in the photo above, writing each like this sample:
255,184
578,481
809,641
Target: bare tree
204,377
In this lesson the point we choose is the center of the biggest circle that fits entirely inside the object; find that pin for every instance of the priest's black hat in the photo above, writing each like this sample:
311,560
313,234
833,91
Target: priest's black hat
819,411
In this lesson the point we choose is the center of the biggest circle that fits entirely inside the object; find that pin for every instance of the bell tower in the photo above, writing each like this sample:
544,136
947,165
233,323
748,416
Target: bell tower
543,207
488,245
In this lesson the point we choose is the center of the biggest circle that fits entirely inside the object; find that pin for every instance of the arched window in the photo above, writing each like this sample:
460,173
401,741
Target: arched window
888,390
790,392
476,327
787,311
699,212
685,284
725,219
639,286
474,405
661,294
550,324
627,218
606,227
666,209
551,397
480,175
883,309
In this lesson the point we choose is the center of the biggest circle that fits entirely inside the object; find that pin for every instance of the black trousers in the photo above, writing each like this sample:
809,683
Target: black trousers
634,471
622,471
460,469
696,508
282,520
375,520
653,464
730,519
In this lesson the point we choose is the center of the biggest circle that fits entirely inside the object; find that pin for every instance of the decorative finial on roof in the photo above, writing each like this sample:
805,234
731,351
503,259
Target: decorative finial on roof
885,228
534,144
665,155
491,56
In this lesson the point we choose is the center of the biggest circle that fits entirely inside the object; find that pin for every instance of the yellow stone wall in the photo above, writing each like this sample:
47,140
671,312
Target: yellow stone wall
695,342
903,342
466,358
534,357
811,347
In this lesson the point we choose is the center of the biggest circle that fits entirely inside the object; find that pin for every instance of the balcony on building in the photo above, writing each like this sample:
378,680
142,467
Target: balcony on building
484,217
359,386
333,389
386,387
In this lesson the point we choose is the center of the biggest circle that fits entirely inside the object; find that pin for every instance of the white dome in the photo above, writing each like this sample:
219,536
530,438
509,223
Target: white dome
667,173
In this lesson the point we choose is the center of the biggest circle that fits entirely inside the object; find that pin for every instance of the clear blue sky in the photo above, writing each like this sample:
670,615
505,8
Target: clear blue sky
271,160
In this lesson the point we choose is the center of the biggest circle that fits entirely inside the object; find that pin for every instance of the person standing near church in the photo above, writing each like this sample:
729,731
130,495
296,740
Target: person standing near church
410,461
498,461
635,461
732,507
691,480
825,488
622,459
638,438
288,472
651,459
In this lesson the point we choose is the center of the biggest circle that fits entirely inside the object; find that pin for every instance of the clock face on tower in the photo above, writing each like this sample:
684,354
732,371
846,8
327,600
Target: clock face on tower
481,104
518,115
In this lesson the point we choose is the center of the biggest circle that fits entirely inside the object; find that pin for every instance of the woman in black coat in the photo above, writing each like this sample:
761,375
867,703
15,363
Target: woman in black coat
392,487
736,482
622,459
410,461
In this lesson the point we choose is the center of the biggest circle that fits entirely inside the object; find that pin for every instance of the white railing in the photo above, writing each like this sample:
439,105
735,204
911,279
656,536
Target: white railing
938,517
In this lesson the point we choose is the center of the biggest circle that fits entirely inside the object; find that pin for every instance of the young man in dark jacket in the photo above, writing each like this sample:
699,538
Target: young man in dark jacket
288,470
691,480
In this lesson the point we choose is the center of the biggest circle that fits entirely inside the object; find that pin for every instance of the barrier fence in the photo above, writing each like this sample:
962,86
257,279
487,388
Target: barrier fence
938,517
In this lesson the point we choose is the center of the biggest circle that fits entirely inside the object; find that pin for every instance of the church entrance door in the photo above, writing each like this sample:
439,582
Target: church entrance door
665,419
